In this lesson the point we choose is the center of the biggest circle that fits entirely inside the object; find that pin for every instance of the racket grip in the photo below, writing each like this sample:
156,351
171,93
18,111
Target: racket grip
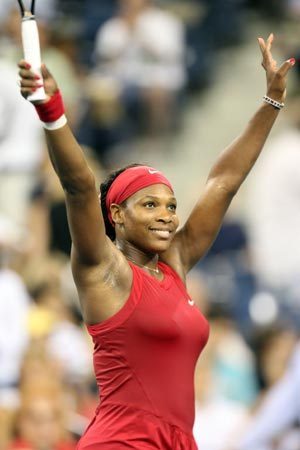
32,53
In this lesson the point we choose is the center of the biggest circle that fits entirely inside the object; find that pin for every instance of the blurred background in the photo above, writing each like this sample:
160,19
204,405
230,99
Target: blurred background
169,83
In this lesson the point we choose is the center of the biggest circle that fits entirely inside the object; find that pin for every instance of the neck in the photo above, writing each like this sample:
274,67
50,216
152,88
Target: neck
147,260
152,269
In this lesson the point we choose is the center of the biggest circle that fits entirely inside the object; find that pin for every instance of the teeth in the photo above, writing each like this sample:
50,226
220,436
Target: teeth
162,233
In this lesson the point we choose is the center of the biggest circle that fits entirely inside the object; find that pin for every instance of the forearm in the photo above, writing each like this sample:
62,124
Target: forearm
65,153
68,160
236,161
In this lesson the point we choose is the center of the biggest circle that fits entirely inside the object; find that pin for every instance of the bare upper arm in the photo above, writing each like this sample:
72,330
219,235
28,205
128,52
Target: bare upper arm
101,273
195,238
103,288
86,223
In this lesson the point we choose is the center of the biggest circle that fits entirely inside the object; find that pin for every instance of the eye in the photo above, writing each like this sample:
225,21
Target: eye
149,205
172,207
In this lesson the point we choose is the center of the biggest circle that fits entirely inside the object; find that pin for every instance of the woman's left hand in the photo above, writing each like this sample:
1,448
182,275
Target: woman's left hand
276,77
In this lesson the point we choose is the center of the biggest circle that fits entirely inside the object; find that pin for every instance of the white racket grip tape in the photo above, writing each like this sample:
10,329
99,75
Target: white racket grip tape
32,53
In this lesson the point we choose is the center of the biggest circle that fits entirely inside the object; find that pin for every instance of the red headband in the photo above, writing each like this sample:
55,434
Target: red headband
130,181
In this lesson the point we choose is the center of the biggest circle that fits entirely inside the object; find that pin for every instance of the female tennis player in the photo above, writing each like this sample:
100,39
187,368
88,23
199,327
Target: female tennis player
130,262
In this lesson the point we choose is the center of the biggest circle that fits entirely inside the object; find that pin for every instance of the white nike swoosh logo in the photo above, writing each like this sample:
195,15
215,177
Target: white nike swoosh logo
191,302
152,171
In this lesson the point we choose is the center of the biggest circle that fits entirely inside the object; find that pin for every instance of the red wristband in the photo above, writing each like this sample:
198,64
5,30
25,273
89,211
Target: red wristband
52,110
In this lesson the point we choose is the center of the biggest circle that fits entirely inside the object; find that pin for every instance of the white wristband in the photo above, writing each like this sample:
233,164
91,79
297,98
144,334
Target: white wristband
59,123
272,102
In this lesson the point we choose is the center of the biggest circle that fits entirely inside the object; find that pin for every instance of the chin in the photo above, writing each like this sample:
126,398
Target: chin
152,245
159,247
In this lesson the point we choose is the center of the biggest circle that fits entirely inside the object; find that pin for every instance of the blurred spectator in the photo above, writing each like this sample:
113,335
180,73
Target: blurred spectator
233,374
13,337
274,220
94,14
217,423
41,422
273,347
224,22
271,9
229,275
21,147
48,216
42,372
142,47
139,74
293,7
14,307
68,344
278,413
226,385
55,322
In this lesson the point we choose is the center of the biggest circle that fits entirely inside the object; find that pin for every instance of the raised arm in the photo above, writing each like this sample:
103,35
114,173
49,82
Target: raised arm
90,244
232,167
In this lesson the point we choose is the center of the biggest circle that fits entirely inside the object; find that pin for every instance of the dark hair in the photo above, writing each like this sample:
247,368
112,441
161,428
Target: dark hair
104,188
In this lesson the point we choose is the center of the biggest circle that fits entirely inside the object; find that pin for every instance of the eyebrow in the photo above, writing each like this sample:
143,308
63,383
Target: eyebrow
155,197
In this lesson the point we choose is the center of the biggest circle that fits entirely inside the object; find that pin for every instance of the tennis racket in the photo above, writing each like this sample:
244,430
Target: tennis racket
31,45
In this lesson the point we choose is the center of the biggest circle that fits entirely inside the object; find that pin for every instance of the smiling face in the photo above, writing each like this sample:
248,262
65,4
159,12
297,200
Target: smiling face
148,219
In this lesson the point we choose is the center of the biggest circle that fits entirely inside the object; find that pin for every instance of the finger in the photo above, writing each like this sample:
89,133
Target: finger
28,74
24,64
285,67
30,84
270,41
45,72
262,44
26,91
268,62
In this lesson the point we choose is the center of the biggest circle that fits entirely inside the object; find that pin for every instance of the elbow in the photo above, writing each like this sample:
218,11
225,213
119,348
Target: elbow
225,187
79,183
228,190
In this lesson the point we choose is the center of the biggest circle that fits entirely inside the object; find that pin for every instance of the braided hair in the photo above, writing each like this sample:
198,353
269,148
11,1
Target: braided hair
104,188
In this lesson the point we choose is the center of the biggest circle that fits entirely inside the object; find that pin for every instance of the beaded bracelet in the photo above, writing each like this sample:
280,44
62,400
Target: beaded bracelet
272,102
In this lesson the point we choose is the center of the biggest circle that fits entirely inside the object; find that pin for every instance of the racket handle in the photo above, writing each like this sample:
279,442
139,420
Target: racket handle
32,53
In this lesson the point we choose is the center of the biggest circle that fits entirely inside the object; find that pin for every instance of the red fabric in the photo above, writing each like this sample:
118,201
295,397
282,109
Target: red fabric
132,180
144,359
52,110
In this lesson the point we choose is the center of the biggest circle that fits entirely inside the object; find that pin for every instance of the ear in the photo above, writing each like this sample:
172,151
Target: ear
117,213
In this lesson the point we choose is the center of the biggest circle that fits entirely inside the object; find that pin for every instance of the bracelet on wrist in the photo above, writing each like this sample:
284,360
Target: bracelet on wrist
274,103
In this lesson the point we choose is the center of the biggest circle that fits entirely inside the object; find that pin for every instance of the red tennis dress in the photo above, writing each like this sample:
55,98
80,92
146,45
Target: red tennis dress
144,360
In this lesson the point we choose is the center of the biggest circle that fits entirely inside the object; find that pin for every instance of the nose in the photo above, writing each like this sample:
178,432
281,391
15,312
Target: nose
164,215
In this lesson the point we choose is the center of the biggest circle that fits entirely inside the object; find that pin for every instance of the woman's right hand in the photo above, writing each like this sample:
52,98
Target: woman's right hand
30,82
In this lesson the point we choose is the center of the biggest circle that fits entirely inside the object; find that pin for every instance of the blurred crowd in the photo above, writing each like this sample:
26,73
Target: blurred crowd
127,69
